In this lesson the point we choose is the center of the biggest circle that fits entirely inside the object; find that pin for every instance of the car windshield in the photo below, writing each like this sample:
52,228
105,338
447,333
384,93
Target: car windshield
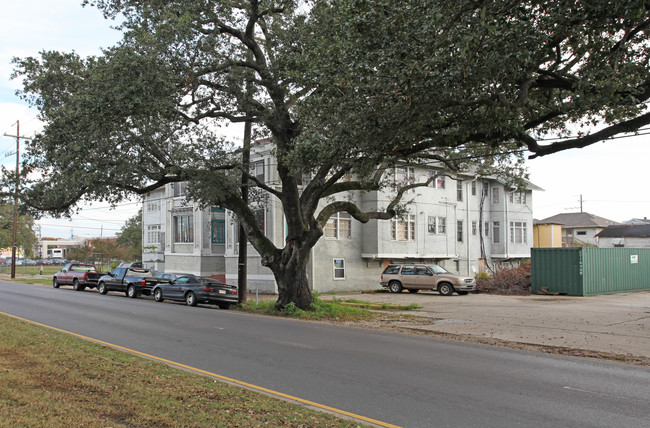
438,269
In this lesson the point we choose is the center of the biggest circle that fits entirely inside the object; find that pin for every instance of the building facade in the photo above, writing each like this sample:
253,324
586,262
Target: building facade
465,224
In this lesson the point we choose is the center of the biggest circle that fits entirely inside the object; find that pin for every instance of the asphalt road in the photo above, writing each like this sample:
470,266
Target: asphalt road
398,379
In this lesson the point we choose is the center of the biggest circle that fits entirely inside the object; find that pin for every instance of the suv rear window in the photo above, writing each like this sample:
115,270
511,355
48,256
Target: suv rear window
392,270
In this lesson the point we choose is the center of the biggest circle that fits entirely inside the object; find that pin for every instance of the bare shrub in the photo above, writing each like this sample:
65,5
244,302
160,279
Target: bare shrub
514,281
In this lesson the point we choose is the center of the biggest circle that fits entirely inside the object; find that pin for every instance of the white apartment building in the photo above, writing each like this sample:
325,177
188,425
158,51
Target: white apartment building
466,225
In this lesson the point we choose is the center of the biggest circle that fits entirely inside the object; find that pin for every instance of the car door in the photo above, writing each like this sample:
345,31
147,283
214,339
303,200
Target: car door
115,280
408,277
175,289
423,277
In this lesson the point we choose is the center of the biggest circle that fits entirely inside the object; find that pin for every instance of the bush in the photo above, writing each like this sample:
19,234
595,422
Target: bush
514,281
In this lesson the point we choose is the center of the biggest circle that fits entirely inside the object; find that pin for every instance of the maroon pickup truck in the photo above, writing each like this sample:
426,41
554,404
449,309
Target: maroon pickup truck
79,275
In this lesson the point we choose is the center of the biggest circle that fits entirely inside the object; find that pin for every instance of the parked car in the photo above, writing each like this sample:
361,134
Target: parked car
79,275
133,281
171,276
130,264
197,289
415,277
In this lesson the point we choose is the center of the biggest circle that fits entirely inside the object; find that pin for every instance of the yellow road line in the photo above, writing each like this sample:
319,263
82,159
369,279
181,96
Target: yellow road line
227,379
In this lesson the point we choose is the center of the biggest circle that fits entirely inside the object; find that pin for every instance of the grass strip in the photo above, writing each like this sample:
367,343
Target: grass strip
53,379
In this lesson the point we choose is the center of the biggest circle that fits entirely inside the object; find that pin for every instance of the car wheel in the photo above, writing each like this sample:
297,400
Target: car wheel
55,283
190,299
224,305
463,293
130,292
413,290
157,295
77,286
445,289
102,288
395,287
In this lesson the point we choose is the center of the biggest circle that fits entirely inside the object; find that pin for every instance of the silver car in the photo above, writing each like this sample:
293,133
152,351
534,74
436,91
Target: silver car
416,277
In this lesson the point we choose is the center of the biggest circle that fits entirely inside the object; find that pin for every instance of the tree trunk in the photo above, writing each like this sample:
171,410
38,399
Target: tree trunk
293,287
290,271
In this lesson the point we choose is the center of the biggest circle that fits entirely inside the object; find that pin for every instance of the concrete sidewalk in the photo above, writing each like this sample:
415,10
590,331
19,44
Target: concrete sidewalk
618,323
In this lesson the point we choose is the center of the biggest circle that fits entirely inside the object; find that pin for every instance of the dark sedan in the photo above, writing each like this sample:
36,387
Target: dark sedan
197,289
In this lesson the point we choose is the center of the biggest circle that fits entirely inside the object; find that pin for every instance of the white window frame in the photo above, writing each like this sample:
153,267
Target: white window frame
187,237
338,269
518,232
153,233
407,224
402,176
495,195
496,232
518,198
436,225
336,224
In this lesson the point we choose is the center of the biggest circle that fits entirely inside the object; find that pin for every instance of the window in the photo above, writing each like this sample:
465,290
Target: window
459,190
339,226
421,270
496,232
459,230
518,198
218,229
473,188
339,268
581,233
153,234
518,232
404,175
153,206
486,229
495,195
218,233
257,170
437,225
180,189
184,228
439,182
403,229
408,270
474,228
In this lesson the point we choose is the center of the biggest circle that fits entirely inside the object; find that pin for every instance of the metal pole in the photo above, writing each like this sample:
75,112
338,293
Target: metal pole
15,231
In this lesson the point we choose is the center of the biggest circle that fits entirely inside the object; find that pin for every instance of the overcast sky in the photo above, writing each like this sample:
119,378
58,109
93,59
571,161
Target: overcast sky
610,177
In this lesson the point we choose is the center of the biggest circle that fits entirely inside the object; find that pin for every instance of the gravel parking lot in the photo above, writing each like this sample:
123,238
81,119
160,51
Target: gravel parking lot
618,323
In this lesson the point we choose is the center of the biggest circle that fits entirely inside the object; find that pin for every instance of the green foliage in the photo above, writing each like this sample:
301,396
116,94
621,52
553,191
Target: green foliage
482,276
130,238
344,89
318,310
25,236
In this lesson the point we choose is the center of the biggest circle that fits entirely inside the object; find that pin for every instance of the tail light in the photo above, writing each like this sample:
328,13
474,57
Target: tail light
208,289
143,282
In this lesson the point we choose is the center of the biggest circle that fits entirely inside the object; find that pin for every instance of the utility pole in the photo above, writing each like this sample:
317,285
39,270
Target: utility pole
580,203
15,231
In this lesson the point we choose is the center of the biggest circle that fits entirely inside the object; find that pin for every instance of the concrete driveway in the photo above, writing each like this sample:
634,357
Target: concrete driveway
618,323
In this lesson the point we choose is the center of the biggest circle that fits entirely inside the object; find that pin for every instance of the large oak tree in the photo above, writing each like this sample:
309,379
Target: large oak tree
344,88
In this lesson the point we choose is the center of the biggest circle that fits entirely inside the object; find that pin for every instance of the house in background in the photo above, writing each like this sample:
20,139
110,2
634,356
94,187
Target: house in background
466,224
625,235
547,234
579,229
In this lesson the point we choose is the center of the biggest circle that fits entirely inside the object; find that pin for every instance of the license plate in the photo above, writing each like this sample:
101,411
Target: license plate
222,291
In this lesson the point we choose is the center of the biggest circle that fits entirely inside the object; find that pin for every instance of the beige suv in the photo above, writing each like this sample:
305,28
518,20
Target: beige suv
415,277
